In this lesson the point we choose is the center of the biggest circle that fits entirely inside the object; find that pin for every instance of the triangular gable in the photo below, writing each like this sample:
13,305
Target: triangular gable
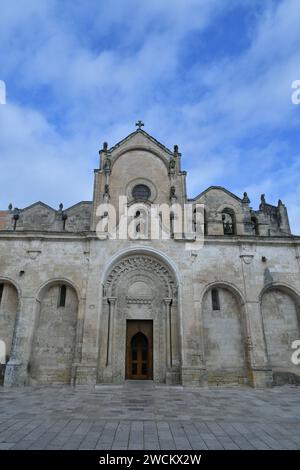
146,135
220,188
39,203
77,204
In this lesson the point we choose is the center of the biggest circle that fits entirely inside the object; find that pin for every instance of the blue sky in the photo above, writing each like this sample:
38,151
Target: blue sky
213,76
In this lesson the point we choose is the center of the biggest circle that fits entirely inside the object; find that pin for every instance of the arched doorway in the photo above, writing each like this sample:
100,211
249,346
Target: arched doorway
139,350
140,296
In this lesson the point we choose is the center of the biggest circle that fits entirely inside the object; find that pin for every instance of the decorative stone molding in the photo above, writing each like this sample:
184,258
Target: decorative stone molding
138,301
140,286
142,181
141,264
33,254
247,258
249,343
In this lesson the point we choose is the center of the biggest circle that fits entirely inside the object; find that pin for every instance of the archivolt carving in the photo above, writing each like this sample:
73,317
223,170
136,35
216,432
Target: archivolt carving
142,264
138,301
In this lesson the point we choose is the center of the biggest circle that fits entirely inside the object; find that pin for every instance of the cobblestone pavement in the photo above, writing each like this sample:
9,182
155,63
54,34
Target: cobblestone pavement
145,416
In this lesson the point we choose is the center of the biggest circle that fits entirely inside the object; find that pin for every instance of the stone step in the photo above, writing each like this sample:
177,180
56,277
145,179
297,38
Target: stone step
144,384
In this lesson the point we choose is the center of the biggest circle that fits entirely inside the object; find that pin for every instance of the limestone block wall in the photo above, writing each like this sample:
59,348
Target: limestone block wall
40,217
34,263
36,217
245,339
79,217
53,347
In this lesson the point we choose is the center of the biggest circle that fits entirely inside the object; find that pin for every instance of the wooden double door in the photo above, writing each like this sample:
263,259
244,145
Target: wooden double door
139,350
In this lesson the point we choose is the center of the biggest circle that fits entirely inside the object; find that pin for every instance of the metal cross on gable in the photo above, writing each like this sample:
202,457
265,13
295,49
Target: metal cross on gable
139,124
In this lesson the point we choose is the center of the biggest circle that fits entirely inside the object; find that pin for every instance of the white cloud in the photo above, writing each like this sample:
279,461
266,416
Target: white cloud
110,63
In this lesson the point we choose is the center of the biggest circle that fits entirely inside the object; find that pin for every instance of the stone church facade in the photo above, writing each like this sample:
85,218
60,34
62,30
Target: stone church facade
78,306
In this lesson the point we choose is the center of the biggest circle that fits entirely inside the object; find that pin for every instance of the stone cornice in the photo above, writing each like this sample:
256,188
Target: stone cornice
26,235
237,240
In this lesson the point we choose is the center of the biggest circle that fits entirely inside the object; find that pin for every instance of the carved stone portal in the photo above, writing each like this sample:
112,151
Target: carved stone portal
140,287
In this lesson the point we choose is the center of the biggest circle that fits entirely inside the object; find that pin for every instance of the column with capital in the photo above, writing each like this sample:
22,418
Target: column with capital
172,342
168,302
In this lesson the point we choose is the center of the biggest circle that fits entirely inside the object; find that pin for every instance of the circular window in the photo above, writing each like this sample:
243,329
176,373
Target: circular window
141,191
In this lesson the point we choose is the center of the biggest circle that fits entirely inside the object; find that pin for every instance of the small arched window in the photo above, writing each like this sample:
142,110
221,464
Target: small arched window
62,296
172,224
255,227
215,300
201,215
141,222
228,219
1,292
205,222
